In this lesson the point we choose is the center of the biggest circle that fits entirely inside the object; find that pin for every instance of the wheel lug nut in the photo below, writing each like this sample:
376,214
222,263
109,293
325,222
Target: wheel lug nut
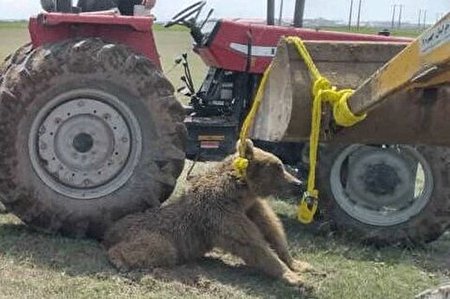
42,130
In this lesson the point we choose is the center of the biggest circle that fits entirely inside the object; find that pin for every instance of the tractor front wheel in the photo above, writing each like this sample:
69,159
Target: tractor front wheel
90,132
386,194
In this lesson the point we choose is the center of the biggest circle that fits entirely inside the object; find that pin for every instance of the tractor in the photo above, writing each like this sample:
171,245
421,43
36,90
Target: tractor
91,130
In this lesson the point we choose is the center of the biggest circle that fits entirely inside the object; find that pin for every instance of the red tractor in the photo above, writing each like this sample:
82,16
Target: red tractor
91,131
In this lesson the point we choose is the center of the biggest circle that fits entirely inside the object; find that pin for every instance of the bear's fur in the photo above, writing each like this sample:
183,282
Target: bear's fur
217,210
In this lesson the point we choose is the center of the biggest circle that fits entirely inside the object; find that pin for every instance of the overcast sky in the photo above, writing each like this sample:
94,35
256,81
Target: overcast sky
372,10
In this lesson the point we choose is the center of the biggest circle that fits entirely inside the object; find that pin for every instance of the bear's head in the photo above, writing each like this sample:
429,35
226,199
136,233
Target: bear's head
266,175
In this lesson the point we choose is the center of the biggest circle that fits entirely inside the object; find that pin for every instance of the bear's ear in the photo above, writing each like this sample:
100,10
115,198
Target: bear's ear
249,148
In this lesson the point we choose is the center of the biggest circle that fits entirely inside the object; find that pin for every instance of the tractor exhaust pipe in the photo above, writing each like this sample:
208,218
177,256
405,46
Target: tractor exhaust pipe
299,12
270,12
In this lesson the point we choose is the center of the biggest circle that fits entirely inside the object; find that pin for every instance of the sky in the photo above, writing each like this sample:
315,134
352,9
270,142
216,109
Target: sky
372,10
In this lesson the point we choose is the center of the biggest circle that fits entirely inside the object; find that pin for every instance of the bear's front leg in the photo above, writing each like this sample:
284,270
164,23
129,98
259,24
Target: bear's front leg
272,229
240,236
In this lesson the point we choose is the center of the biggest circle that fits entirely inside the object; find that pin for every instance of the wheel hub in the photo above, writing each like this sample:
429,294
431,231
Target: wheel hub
81,144
380,185
380,179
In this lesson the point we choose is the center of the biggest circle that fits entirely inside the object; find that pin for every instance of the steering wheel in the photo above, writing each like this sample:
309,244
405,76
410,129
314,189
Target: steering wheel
183,17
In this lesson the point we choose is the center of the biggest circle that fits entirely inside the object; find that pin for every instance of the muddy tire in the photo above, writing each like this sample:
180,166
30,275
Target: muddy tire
14,58
389,195
90,132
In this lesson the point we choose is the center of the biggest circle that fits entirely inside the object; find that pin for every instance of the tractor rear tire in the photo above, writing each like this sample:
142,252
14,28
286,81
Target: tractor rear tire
364,192
90,132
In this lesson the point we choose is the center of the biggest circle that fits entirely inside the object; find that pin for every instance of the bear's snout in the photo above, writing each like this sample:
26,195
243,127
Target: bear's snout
297,187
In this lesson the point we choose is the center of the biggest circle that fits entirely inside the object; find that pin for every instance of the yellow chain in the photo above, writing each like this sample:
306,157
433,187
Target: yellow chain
241,163
322,91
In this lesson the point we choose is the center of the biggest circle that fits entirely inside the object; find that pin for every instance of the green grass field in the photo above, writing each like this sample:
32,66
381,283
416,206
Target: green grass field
37,265
369,30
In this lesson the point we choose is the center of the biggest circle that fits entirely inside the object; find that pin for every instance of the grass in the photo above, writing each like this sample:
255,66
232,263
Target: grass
36,265
372,30
12,36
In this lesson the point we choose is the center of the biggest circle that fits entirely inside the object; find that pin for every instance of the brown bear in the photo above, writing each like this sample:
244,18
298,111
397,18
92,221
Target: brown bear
217,210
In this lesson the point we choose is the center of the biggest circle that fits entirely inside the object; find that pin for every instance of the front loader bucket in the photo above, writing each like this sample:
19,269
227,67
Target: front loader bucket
285,112
405,96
